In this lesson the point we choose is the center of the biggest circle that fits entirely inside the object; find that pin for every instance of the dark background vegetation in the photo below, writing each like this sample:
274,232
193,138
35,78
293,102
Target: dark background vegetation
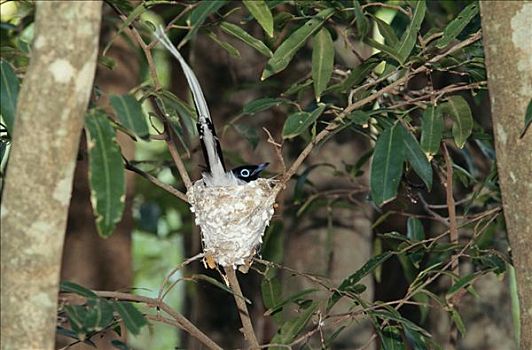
353,259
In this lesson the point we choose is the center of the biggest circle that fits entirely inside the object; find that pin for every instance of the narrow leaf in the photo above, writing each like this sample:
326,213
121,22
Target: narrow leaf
298,122
286,51
457,319
357,75
230,49
133,318
242,35
528,118
458,109
387,32
408,40
431,130
106,172
387,165
129,112
199,15
416,158
71,287
458,24
414,229
262,104
322,61
293,327
261,12
353,279
291,299
9,87
361,20
391,338
387,49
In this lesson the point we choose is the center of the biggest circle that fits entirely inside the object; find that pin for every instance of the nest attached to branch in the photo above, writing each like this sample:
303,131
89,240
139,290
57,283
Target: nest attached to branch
232,219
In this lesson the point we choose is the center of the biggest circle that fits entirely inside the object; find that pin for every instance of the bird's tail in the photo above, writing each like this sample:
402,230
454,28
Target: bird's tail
210,143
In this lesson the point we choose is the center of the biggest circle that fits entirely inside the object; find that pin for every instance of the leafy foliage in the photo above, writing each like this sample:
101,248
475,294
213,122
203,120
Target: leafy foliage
401,78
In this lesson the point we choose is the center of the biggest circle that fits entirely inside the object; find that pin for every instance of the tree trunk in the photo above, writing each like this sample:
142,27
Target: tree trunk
50,115
506,27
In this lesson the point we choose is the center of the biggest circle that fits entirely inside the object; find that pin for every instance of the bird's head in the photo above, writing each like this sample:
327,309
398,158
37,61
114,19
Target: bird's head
249,173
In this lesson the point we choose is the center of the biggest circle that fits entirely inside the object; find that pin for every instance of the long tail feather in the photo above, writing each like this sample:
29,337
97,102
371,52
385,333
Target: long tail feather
211,145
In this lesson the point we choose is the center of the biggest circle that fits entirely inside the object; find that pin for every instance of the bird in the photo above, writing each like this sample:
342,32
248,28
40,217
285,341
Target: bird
216,173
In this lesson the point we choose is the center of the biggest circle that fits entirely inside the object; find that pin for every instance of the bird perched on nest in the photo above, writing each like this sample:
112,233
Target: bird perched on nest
216,174
233,208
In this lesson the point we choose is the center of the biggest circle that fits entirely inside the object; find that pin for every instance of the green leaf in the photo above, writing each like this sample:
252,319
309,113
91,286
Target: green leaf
458,108
242,35
286,51
133,318
387,165
361,20
457,319
271,292
298,122
133,15
71,287
458,24
353,279
297,87
391,338
261,12
293,327
291,299
214,282
416,158
431,130
390,51
230,49
322,61
262,104
359,117
106,172
387,32
516,311
408,39
357,75
528,118
9,87
462,283
120,345
129,112
199,15
414,230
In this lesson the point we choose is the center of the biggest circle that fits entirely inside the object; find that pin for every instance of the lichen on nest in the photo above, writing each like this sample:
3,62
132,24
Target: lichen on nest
232,218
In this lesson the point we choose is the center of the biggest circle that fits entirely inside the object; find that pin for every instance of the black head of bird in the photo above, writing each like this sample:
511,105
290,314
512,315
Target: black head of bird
249,173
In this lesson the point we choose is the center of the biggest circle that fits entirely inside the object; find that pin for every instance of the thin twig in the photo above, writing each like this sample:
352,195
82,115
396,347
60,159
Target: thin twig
247,326
156,181
337,122
278,150
451,207
180,320
171,142
453,230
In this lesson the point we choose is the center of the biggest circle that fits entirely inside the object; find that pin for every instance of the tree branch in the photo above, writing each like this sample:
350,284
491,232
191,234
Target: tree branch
180,320
249,333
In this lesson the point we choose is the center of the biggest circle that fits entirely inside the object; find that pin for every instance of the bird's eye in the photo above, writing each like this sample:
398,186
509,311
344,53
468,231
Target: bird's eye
244,172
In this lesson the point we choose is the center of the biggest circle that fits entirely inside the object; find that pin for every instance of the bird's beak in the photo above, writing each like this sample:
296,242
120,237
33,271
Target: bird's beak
260,168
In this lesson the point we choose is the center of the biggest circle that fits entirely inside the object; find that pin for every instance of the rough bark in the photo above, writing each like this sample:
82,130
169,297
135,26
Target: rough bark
38,184
506,26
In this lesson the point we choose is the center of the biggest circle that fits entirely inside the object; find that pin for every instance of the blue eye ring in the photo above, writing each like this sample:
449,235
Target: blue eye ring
244,173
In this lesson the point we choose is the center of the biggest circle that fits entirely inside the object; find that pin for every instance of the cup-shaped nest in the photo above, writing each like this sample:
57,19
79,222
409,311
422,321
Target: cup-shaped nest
232,218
